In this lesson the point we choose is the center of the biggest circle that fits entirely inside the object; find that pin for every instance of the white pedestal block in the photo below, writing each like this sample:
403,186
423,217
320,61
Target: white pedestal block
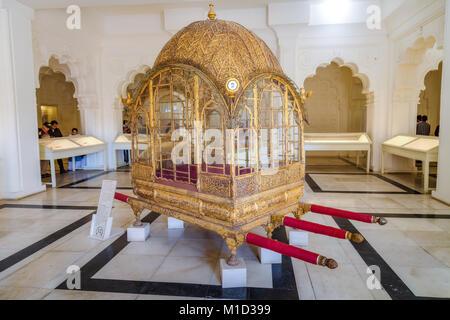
173,223
269,256
298,238
138,234
233,276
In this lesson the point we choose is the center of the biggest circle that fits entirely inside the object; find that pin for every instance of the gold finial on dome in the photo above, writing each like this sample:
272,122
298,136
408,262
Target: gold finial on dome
211,13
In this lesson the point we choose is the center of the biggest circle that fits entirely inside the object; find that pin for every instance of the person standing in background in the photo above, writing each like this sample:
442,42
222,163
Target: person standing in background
419,120
126,130
423,127
56,133
436,132
74,132
44,133
78,159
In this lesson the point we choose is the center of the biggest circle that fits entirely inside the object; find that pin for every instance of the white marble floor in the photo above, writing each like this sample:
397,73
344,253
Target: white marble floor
48,232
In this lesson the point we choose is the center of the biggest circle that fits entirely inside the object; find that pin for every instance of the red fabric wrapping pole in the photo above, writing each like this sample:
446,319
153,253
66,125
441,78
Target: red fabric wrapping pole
343,214
282,248
315,228
121,197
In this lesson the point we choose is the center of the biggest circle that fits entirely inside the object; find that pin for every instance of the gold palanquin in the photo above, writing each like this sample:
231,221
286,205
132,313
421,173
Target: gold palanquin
249,186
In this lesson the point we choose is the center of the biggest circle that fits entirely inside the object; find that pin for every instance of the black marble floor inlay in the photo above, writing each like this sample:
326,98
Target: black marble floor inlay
75,184
284,285
317,189
96,188
390,281
47,206
412,215
35,247
85,179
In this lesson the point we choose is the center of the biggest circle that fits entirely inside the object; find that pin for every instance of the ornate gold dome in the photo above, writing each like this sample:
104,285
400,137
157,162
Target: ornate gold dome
220,49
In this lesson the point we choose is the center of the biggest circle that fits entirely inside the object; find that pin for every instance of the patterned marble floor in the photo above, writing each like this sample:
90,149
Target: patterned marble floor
40,236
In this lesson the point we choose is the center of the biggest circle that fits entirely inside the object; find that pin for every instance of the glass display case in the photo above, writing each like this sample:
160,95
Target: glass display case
69,147
123,142
421,148
359,142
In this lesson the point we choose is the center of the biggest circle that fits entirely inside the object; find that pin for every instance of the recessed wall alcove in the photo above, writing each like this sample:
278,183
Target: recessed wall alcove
430,98
338,103
56,101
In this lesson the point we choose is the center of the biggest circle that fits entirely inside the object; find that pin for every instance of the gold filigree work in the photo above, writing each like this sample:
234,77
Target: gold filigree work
244,188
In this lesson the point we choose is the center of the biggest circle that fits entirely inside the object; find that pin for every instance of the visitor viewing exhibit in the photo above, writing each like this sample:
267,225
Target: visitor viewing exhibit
255,150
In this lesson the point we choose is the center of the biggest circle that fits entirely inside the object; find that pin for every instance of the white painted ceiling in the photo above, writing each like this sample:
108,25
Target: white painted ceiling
46,4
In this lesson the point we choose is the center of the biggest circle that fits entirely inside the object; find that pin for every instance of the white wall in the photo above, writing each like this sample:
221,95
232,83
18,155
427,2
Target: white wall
19,152
443,186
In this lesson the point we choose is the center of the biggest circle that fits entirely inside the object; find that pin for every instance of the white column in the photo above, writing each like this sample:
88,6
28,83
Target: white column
443,184
19,151
287,36
288,59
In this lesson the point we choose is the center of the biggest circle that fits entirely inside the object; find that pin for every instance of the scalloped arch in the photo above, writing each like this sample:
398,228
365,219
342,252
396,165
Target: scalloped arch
130,78
350,65
65,65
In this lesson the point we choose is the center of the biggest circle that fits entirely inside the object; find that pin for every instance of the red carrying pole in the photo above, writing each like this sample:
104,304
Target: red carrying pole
321,229
121,197
290,251
347,214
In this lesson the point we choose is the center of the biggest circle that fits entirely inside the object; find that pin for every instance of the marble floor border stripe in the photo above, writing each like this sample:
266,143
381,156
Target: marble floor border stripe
85,179
317,189
284,284
35,247
412,216
390,281
97,188
47,206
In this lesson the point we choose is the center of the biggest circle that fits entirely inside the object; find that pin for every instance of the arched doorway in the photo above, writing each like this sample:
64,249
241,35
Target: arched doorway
338,103
337,110
430,98
55,101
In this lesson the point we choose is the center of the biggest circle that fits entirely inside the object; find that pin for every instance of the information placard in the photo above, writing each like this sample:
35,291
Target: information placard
101,222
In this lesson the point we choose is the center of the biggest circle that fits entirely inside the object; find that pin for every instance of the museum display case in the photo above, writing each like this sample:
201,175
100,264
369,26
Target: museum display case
123,142
69,147
421,148
357,142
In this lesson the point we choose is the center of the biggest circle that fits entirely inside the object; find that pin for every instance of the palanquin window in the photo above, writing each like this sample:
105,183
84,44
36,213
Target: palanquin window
263,133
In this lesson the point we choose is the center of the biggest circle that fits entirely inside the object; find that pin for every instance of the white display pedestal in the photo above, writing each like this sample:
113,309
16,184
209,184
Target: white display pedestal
173,223
298,238
233,276
110,231
138,234
269,256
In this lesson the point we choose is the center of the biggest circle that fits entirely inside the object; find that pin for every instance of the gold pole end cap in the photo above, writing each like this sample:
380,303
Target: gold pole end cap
357,238
331,264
